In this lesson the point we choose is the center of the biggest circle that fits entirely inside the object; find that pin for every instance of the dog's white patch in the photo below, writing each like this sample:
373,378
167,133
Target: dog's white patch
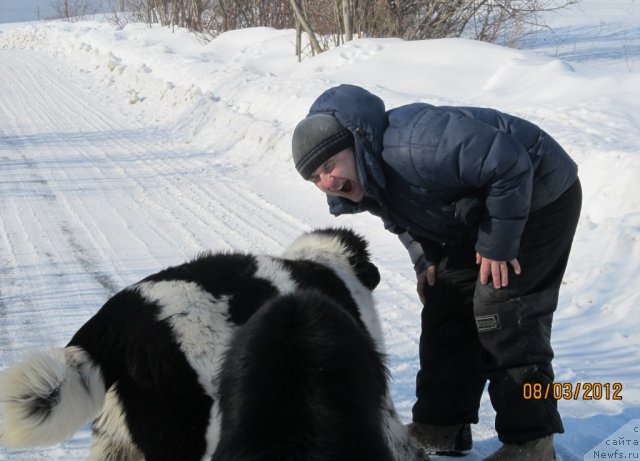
112,439
365,302
199,321
202,330
272,270
317,247
213,431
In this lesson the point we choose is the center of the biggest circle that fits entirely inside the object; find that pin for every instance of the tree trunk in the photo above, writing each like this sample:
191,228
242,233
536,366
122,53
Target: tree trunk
348,20
315,46
298,41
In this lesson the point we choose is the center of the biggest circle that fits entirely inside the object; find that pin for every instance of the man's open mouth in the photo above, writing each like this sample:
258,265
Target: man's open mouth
346,187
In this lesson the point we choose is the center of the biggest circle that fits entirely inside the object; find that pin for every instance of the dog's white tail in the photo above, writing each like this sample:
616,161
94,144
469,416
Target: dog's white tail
49,396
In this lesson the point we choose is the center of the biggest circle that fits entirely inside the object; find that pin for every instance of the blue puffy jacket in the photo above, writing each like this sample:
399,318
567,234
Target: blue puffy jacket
423,167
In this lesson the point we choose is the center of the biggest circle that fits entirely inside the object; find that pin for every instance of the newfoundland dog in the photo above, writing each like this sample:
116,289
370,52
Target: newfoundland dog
228,357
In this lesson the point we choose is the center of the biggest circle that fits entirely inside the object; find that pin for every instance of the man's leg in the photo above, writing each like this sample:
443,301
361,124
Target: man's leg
449,384
514,324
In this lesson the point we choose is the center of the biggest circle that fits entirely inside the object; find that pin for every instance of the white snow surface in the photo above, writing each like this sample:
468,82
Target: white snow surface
127,149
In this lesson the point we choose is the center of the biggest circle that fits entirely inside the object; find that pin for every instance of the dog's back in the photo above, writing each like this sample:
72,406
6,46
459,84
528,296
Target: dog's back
302,381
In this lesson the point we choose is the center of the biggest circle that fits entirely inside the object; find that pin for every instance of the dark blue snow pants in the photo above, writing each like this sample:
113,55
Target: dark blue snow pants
472,333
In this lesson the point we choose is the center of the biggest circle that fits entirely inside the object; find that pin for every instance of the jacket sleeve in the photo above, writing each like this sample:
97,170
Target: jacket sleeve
422,253
467,154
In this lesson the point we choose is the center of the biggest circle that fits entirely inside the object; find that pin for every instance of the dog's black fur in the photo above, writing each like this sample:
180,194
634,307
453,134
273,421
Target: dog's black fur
302,381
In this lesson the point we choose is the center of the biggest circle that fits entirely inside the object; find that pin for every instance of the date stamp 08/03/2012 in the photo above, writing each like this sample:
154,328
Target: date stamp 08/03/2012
572,391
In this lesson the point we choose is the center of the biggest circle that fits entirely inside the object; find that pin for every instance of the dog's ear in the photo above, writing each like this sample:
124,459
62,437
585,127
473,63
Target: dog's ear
360,258
368,274
345,242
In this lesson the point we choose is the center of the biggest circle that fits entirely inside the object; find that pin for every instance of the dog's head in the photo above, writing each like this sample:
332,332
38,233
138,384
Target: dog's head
335,244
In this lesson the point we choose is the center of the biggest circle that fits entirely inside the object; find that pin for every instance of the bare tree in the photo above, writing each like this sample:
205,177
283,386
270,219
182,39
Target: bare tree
327,23
72,10
486,20
302,20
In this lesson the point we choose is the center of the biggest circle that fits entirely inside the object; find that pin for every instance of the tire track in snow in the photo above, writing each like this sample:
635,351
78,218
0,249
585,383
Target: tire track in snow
82,233
41,116
133,152
206,201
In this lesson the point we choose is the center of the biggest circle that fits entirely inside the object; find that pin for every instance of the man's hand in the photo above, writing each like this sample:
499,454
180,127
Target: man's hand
426,276
498,270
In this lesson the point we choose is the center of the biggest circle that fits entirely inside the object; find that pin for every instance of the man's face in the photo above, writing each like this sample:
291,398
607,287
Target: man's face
337,176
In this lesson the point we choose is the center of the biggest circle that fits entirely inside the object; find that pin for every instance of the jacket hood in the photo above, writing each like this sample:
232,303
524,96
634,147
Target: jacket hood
364,114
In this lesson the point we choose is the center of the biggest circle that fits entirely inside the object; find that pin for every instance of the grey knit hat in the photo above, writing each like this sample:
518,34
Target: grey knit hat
317,138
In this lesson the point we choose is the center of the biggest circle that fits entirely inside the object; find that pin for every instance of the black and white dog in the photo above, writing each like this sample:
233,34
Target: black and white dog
228,357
